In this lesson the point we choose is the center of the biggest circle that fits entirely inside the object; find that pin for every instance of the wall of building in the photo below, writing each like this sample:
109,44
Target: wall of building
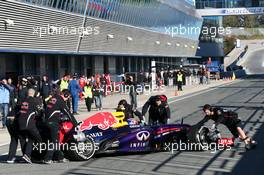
55,66
59,35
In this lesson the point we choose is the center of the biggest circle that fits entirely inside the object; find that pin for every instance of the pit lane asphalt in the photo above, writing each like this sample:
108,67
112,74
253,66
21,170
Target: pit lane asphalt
245,97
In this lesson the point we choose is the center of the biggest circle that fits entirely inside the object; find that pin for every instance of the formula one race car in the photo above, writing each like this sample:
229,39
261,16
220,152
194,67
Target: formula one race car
108,132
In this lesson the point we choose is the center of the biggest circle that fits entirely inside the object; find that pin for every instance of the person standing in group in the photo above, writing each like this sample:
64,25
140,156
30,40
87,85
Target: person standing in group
179,80
45,88
13,97
64,82
108,88
74,89
4,100
103,85
88,94
22,90
12,127
132,91
82,83
204,76
98,95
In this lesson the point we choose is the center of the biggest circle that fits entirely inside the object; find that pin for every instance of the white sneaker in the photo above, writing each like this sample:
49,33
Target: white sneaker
11,161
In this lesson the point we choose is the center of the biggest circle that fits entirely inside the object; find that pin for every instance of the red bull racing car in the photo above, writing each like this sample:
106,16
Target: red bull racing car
107,132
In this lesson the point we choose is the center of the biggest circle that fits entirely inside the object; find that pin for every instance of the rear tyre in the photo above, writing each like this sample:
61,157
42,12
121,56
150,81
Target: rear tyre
198,138
202,136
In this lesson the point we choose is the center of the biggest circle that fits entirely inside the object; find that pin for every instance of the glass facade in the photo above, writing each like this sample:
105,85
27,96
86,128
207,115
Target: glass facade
153,15
192,2
201,4
218,21
211,22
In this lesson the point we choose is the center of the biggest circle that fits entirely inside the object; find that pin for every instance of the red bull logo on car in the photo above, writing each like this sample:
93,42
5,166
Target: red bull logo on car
103,120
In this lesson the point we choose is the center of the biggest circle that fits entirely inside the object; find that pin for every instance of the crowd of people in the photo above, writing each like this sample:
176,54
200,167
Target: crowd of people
27,107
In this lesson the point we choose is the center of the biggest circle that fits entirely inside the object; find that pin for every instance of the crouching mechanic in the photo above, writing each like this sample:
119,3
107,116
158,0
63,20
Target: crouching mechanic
159,111
56,108
230,120
129,112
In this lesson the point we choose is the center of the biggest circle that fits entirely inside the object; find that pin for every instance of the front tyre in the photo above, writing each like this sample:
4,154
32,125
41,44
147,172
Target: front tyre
81,150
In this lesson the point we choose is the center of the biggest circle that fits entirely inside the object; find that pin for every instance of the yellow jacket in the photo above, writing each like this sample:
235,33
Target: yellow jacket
88,92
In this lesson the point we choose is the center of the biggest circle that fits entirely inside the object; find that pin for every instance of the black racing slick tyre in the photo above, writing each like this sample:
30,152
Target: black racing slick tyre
202,136
198,137
81,151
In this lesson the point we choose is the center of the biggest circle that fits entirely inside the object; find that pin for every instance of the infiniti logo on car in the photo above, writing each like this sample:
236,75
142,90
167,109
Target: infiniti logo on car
143,135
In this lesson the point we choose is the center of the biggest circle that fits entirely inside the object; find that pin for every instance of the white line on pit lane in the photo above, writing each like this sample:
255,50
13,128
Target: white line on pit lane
8,152
98,170
4,144
199,92
206,156
170,164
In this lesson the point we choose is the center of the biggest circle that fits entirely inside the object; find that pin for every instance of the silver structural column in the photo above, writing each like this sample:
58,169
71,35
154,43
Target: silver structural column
83,24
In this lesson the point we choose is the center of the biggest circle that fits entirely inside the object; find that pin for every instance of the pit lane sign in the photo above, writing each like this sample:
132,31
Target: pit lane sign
231,11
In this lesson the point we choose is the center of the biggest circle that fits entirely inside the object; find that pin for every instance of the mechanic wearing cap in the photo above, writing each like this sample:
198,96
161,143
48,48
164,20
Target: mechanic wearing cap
128,110
228,118
159,111
29,110
74,89
57,112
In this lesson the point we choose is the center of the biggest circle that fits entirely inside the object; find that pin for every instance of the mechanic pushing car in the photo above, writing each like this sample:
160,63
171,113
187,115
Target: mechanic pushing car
129,111
30,108
57,112
230,120
159,111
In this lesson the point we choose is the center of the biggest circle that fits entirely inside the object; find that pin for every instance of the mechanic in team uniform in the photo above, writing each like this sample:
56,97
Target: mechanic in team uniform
57,112
228,118
29,111
159,111
129,111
